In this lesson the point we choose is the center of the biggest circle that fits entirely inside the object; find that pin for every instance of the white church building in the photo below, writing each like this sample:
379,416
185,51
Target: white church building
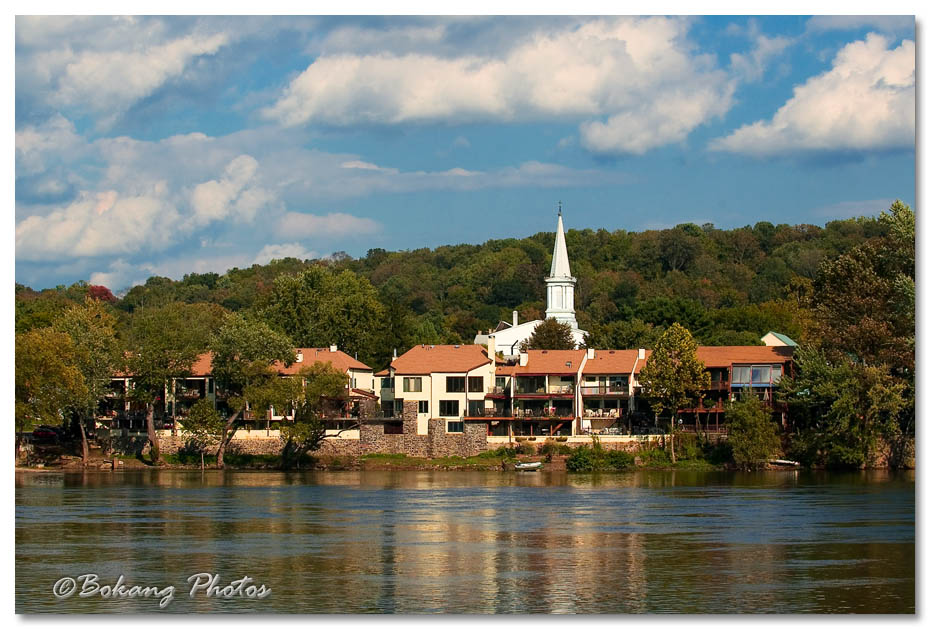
560,304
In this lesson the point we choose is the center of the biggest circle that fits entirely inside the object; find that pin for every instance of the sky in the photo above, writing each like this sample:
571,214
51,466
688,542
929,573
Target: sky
170,145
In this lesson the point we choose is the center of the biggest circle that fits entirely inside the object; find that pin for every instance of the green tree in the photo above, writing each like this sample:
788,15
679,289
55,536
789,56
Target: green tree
164,343
841,412
49,384
244,351
673,377
751,433
98,355
550,334
204,426
324,388
634,333
318,308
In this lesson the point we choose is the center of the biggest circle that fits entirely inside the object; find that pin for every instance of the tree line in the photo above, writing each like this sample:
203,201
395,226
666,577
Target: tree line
845,291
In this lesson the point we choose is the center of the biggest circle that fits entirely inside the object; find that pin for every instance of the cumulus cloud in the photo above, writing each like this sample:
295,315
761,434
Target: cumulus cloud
37,144
286,250
104,64
232,195
881,23
623,68
99,224
865,102
750,66
299,225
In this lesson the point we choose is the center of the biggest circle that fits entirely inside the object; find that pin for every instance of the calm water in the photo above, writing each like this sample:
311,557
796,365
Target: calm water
475,542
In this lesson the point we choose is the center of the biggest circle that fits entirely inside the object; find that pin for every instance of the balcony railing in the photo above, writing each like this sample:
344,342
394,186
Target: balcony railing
720,385
604,389
543,413
498,390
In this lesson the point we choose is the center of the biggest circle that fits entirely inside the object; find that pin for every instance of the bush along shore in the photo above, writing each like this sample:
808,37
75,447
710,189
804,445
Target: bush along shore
692,452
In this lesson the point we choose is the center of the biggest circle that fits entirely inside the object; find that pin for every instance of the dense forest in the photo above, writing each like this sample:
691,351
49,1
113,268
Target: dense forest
727,286
845,292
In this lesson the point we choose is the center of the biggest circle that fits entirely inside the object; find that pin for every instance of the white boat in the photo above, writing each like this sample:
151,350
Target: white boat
528,466
785,462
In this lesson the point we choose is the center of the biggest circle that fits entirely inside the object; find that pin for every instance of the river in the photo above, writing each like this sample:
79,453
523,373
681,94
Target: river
471,542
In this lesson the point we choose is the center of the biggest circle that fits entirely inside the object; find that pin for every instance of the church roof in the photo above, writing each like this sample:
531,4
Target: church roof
560,267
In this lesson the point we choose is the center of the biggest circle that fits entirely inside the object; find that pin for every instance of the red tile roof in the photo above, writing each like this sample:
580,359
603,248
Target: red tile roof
426,359
727,355
611,361
551,361
338,359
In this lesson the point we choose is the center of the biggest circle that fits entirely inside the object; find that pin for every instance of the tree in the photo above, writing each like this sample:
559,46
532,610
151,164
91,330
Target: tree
323,387
244,351
318,308
751,432
49,383
164,343
673,377
97,353
550,334
204,426
841,411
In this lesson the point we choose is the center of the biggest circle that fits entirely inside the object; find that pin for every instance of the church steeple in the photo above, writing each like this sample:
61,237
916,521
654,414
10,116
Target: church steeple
560,285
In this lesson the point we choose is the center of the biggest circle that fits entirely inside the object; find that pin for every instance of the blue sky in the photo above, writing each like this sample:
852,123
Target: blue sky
162,146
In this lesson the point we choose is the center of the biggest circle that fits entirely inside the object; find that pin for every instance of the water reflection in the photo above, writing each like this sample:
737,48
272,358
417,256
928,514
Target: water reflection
476,542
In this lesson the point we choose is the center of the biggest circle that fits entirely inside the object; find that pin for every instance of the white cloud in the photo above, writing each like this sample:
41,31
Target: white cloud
104,64
624,68
216,200
287,250
99,224
865,102
299,225
750,66
37,144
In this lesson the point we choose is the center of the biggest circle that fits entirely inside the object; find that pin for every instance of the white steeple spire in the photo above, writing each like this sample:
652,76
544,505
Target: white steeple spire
560,267
560,285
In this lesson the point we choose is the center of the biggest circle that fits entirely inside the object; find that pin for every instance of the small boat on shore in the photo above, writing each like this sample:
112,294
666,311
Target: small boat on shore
784,462
528,467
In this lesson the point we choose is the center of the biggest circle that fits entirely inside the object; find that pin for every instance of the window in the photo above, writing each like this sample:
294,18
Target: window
387,383
476,384
455,384
776,373
761,374
455,427
619,383
500,381
449,408
423,406
388,408
413,385
475,408
210,385
741,375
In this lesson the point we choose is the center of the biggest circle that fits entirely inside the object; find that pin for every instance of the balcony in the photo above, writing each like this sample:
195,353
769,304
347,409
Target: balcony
604,389
498,390
719,385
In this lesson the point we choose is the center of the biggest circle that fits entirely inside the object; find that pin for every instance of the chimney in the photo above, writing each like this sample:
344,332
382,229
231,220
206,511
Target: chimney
590,353
300,356
642,354
524,359
515,318
492,350
332,348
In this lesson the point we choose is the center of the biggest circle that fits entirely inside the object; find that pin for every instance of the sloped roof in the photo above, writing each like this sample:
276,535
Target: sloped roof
203,366
338,359
426,359
611,361
727,355
784,338
551,361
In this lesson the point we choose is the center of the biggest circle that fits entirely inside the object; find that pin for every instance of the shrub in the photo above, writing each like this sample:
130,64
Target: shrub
561,438
687,447
618,459
655,457
550,447
526,448
519,439
581,460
